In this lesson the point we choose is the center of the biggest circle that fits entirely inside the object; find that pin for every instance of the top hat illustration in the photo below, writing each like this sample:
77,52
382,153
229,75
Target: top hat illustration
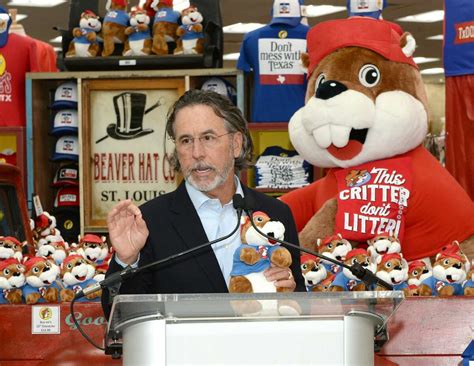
129,111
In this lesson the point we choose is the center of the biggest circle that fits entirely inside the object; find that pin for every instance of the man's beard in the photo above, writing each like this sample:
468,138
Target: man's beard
220,178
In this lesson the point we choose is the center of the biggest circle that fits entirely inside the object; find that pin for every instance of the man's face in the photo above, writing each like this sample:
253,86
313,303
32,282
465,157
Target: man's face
206,151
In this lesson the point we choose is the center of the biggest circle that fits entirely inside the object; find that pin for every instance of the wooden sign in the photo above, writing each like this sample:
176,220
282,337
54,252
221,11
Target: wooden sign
125,151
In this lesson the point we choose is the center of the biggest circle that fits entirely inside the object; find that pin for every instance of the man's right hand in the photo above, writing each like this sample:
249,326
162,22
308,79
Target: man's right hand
127,231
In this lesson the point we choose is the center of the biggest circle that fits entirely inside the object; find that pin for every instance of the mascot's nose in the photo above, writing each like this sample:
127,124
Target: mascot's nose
330,89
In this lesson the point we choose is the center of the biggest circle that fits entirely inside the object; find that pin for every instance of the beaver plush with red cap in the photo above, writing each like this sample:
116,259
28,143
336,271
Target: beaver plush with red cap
365,118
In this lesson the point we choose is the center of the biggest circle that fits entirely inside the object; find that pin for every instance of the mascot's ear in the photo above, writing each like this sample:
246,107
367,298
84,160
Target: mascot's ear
304,61
408,44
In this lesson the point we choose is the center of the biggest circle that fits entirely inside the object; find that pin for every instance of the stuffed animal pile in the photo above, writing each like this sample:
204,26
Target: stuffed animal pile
56,271
450,273
155,28
365,118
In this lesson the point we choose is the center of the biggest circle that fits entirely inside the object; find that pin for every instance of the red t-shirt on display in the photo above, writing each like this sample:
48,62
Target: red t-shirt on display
17,57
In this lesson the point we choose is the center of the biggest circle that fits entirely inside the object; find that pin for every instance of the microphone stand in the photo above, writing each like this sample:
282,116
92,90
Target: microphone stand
357,269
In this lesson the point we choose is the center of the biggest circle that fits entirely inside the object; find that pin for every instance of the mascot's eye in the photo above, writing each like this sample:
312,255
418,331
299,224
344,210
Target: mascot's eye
259,219
446,262
415,273
388,264
369,75
330,246
304,266
354,261
6,271
319,80
36,270
69,265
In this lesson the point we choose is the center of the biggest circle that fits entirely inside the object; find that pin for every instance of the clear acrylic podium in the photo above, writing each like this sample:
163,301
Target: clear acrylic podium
326,328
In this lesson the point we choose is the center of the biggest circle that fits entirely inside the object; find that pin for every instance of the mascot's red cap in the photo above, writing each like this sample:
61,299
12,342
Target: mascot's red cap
88,12
331,238
354,252
379,36
70,258
308,257
5,263
32,261
387,257
91,238
452,255
12,239
415,264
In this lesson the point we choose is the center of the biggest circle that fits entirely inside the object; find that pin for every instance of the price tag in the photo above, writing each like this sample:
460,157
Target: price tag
127,62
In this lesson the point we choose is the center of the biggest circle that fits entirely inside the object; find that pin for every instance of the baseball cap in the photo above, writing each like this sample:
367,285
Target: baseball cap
67,148
286,12
66,175
65,122
68,222
65,96
67,197
5,22
221,86
380,36
366,8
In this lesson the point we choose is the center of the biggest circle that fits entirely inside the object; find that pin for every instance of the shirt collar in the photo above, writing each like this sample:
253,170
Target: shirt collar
199,198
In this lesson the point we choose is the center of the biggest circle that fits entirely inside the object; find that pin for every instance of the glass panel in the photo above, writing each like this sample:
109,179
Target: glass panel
214,307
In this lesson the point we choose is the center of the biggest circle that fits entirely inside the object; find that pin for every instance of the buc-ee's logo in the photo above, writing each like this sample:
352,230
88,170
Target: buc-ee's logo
45,313
357,178
464,32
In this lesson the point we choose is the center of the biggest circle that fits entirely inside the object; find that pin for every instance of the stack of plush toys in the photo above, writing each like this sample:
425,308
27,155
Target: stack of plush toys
450,273
142,31
57,270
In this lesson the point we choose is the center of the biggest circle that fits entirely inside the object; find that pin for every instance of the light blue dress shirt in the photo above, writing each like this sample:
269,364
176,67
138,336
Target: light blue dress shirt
218,221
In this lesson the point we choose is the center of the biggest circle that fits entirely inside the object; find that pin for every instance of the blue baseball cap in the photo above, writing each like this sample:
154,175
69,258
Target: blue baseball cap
67,148
65,96
65,122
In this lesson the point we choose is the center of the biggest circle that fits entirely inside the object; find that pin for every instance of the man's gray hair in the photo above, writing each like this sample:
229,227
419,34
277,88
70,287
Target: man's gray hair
234,121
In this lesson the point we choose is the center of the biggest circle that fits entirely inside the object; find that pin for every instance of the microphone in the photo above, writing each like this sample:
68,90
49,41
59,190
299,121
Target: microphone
357,269
118,277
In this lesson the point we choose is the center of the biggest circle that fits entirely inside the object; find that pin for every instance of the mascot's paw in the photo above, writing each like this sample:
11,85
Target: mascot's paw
249,256
281,258
240,285
425,290
66,295
14,296
32,299
51,295
320,226
446,291
469,291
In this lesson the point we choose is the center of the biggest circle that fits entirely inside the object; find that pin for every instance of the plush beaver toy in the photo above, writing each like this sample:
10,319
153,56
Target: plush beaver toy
345,279
114,25
85,43
256,254
365,119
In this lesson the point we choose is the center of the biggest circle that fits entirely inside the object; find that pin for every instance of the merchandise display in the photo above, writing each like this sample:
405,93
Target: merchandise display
281,169
341,132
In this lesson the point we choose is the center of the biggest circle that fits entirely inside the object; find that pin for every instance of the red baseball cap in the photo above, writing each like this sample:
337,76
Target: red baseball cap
354,252
380,36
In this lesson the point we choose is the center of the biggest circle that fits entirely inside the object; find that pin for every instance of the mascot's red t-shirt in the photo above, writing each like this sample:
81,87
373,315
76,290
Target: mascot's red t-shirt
411,193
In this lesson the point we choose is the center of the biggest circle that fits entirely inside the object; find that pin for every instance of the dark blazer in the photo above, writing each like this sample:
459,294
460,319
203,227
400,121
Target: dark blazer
174,226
